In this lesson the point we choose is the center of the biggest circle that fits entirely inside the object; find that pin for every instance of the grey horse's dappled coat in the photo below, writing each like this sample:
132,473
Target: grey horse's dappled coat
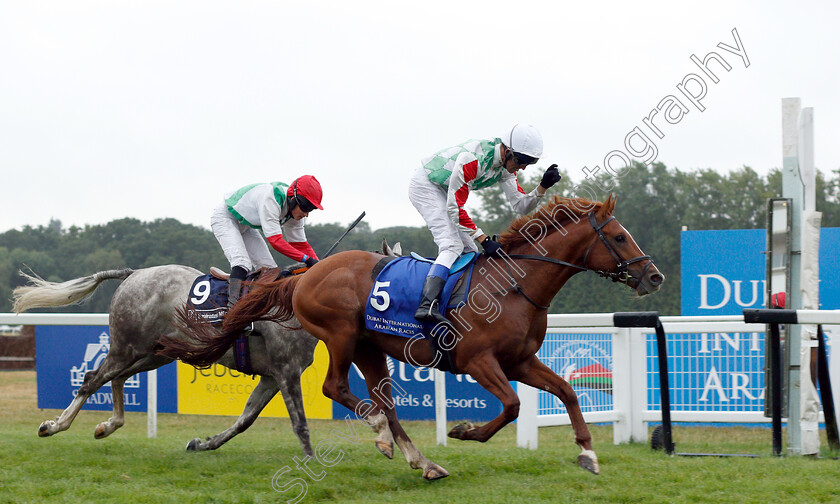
141,312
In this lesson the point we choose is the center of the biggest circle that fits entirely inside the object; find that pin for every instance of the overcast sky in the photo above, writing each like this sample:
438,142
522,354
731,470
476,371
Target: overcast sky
154,109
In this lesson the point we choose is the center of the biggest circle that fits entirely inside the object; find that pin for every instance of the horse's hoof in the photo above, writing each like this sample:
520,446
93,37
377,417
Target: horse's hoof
589,461
386,449
434,472
100,432
44,428
194,445
460,430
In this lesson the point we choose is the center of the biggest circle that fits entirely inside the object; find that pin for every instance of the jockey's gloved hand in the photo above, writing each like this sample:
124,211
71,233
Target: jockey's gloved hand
550,177
491,247
309,261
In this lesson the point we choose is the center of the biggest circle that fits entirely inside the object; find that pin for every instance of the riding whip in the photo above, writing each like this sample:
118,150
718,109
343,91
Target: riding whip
358,219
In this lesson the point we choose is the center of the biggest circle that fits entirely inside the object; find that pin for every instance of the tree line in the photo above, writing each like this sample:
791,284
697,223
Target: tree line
654,203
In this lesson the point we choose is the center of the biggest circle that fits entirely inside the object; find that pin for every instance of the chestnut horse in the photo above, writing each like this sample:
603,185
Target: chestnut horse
494,336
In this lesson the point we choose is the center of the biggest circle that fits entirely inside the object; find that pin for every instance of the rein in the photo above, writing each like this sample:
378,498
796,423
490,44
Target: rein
621,274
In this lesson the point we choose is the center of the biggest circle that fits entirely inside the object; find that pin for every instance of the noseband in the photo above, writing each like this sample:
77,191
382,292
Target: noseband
621,273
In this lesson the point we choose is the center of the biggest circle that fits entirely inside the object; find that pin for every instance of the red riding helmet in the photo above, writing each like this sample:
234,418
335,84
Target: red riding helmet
306,190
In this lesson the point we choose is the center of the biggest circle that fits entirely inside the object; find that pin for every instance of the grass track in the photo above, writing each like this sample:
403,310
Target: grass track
127,467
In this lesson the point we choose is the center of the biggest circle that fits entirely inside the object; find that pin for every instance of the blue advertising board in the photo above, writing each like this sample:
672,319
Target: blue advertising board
710,371
585,361
65,353
723,272
414,394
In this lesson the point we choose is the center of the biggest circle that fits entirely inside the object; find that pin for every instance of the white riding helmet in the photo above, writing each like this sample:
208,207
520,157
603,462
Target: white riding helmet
525,139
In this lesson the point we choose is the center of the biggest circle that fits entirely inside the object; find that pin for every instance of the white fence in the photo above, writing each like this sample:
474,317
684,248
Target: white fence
92,319
716,370
615,368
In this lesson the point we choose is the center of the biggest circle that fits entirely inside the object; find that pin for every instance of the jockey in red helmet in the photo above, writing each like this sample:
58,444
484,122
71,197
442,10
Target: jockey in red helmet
275,208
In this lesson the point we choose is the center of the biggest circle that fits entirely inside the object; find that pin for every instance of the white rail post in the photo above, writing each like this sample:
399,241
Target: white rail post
527,428
440,406
638,383
151,403
621,383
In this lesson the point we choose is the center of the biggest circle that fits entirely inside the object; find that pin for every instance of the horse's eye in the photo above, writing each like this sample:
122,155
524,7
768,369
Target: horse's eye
620,238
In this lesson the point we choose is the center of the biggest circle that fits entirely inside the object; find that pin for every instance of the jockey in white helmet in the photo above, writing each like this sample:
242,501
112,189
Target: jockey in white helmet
441,185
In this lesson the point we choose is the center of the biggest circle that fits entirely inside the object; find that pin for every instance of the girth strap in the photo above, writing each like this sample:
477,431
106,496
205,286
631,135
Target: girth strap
242,355
380,265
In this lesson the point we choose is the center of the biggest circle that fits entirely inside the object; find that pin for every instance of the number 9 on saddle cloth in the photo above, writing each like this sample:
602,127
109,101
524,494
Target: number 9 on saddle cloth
208,300
208,297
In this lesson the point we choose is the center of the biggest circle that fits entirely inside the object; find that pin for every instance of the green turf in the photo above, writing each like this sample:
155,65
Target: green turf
127,467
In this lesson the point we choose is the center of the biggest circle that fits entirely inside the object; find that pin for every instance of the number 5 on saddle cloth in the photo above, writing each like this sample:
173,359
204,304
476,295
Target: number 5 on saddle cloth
397,290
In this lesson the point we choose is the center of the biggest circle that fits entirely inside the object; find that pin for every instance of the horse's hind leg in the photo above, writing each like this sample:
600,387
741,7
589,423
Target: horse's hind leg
93,381
262,394
372,363
536,374
117,420
489,374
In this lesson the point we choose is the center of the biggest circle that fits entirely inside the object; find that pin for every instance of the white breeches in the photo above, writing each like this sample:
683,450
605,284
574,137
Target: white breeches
243,245
430,200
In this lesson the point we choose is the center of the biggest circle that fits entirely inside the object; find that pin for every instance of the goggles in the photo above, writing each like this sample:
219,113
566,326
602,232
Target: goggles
304,204
523,159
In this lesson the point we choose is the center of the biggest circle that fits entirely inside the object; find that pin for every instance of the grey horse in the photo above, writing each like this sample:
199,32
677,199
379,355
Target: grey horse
141,311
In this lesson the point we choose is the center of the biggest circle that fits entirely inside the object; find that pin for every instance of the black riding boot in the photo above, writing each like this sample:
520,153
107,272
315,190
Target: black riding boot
237,275
429,309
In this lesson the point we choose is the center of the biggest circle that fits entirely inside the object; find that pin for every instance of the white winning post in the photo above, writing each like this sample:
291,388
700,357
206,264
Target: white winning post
798,184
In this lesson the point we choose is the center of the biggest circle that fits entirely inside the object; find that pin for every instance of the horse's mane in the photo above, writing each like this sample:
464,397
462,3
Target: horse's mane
557,212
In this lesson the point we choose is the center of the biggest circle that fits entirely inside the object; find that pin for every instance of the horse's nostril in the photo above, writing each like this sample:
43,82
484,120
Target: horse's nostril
656,279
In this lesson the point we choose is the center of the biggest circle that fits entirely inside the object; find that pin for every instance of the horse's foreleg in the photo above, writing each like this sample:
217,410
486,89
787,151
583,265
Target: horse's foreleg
487,372
293,397
385,438
536,374
262,394
381,396
105,429
372,363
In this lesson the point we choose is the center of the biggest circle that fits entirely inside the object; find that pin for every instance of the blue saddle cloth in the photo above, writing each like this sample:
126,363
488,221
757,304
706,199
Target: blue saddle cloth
396,293
208,298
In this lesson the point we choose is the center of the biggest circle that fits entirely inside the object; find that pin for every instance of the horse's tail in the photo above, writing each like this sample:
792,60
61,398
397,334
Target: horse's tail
205,344
43,294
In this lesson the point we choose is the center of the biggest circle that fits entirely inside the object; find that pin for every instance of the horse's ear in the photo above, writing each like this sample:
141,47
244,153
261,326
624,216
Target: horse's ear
612,204
606,208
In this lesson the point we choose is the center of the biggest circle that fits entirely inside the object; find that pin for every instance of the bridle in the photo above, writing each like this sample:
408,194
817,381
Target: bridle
621,273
